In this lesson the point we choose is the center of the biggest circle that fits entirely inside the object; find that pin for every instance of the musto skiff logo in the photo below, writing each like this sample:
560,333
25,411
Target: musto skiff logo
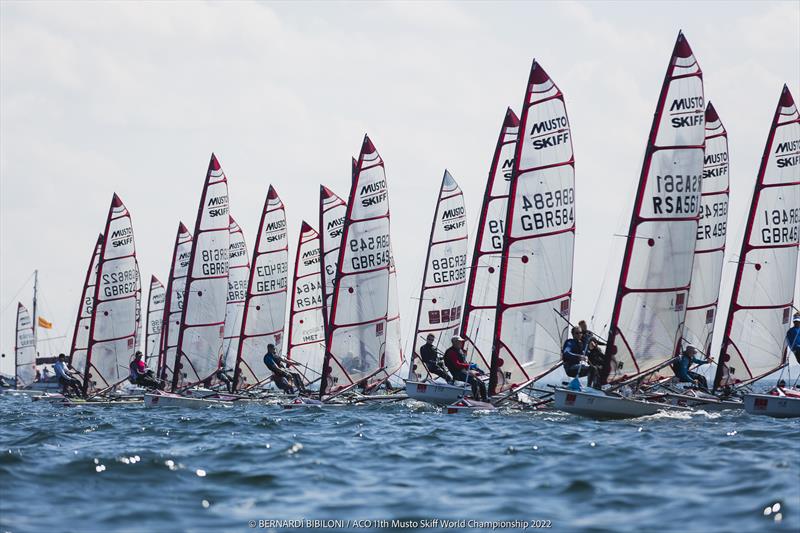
217,206
788,154
453,219
687,112
122,237
373,193
549,133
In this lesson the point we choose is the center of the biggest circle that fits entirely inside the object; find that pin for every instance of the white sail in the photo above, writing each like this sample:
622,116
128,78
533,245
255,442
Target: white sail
650,306
155,315
332,211
24,349
173,308
80,334
112,333
709,253
265,307
766,274
238,276
306,345
206,292
444,281
137,339
480,306
393,357
356,338
535,290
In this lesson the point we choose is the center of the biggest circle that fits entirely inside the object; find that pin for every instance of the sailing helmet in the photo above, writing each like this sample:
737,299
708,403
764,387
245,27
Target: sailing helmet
796,317
690,349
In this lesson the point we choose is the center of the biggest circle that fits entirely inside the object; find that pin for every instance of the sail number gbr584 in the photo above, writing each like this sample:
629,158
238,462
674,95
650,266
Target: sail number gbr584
551,210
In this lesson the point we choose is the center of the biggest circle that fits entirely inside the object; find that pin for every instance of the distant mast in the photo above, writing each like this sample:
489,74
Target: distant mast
265,306
766,273
306,339
24,349
533,303
356,338
480,306
444,278
650,306
332,211
155,314
173,306
393,357
112,332
238,277
80,333
709,254
205,296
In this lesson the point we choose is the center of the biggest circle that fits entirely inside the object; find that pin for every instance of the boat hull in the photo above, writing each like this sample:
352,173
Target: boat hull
706,404
465,405
602,406
174,400
774,406
435,393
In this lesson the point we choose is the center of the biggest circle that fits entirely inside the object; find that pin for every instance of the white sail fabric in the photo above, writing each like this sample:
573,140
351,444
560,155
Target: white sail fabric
306,346
356,339
137,340
206,292
332,211
265,307
80,334
537,259
443,283
647,322
480,306
393,357
24,349
238,276
766,275
709,253
155,315
113,325
173,308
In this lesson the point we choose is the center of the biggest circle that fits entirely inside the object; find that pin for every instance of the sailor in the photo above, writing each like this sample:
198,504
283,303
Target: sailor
222,375
576,364
430,358
455,359
685,362
587,336
793,337
282,377
595,355
65,376
140,374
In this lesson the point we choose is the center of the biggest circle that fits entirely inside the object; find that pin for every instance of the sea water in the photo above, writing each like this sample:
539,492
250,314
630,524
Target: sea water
395,467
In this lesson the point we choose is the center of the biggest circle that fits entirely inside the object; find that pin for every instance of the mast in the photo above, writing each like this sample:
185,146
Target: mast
238,276
356,338
709,254
393,357
155,315
35,314
80,334
766,274
480,305
265,306
306,339
332,212
173,306
533,300
444,278
650,304
24,349
112,331
205,296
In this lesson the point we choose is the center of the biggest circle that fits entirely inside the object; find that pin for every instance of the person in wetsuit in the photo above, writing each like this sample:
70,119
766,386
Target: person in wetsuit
140,375
430,358
65,376
576,364
685,362
455,359
285,380
793,337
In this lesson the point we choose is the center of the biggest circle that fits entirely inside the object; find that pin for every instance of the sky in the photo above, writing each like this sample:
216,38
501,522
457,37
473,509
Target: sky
132,98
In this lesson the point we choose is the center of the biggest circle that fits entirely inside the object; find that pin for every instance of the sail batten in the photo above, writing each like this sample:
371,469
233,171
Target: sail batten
766,274
444,278
650,305
536,263
200,334
265,305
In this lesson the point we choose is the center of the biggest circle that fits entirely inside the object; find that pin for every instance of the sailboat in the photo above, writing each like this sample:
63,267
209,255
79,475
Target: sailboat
265,305
332,212
155,315
442,293
650,305
112,330
356,337
173,306
753,344
24,349
238,277
306,338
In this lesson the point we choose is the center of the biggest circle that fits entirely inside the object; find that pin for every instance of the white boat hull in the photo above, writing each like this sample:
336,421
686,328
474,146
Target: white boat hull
465,405
706,404
174,400
436,393
596,405
775,406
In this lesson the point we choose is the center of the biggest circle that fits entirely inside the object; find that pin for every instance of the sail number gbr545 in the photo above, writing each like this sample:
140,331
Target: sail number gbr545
369,252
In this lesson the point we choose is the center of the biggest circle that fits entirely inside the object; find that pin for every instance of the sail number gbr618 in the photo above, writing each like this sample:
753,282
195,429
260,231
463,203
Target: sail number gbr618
551,210
369,252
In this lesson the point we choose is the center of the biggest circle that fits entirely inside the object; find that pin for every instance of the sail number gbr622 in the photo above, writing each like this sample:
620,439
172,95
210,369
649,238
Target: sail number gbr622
551,210
369,252
120,283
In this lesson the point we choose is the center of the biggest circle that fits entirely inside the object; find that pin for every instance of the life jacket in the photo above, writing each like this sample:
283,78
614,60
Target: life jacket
134,372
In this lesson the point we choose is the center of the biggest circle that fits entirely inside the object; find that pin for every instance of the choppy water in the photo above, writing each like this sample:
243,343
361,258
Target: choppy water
132,469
